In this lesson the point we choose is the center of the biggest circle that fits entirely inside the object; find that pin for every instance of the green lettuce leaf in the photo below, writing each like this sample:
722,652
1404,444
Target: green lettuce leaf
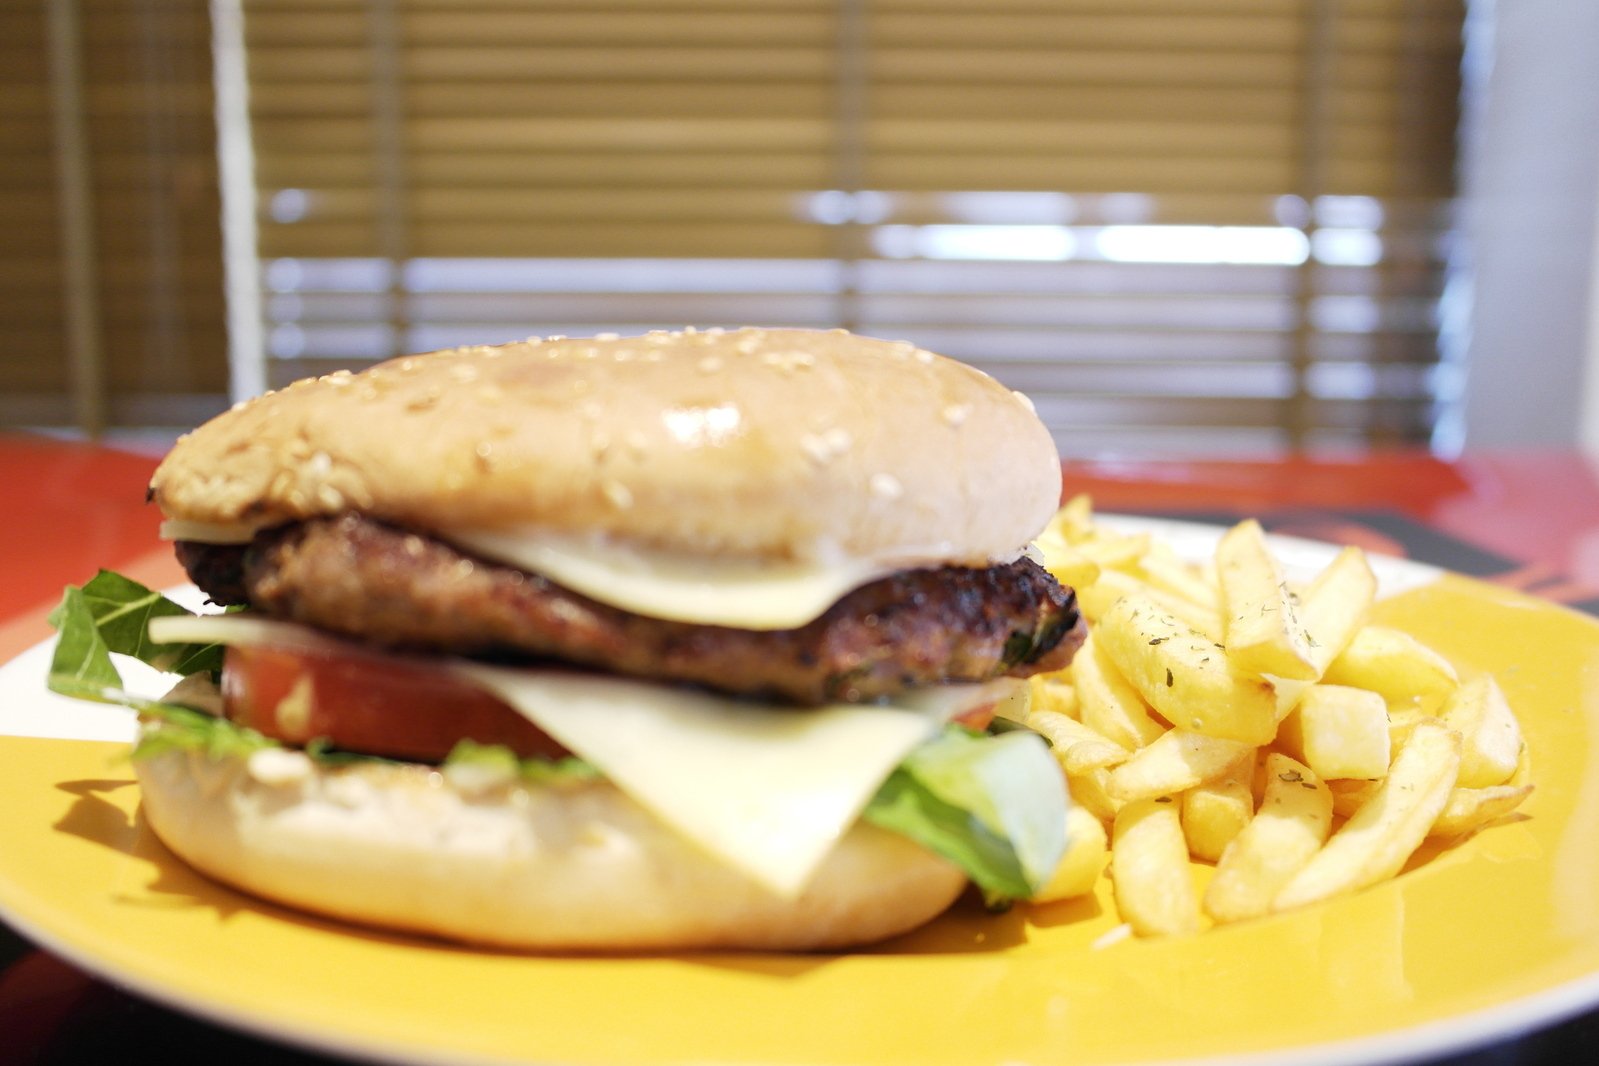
496,760
169,727
111,614
989,804
81,665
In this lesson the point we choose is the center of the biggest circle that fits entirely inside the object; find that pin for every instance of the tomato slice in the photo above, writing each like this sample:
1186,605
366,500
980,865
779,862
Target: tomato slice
978,717
370,703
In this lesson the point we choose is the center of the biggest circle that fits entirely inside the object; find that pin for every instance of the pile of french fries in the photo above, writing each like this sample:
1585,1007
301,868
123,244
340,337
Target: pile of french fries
1220,717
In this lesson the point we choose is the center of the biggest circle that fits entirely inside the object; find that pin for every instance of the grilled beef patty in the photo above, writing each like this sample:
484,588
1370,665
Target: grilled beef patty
382,585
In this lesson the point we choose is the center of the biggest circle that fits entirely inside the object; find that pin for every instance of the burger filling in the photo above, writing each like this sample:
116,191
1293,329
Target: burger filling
390,588
764,746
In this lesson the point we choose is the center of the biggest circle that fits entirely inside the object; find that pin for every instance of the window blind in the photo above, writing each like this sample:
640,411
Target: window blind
109,281
1181,225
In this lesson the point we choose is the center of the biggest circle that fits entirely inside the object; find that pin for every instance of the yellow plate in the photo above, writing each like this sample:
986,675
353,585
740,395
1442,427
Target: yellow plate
1481,940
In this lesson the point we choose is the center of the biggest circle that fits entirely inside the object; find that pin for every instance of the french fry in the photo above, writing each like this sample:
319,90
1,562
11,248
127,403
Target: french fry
1406,672
1075,746
1075,519
1176,762
1339,732
1401,721
1052,692
1088,790
1149,866
1333,607
1290,827
1469,809
1215,812
1165,572
1187,679
1260,625
1108,703
1523,774
1070,566
1376,841
1489,730
1206,621
1087,848
1112,550
1202,723
1096,599
1349,796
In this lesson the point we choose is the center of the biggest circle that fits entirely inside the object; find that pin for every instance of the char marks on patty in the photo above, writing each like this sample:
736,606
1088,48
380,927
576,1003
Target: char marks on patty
396,589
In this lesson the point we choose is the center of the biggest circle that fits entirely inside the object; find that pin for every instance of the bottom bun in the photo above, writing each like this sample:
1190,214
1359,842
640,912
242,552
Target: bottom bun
579,867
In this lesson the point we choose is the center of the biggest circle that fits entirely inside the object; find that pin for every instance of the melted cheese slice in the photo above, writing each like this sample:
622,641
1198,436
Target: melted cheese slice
746,593
768,789
679,587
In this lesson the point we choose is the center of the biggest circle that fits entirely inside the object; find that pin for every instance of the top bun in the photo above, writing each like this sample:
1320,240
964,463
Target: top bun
764,443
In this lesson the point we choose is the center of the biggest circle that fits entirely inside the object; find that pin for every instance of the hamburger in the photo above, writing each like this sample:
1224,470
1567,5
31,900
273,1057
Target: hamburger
687,640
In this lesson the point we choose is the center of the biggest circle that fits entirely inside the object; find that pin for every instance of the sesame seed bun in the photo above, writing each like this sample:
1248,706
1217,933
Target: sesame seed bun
765,443
531,868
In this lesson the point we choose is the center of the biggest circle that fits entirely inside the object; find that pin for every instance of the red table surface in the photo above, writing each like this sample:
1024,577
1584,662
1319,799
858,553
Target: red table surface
74,507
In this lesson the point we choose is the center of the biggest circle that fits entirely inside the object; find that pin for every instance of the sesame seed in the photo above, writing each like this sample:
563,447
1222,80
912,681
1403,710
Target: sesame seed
788,361
423,402
278,767
710,364
619,495
464,373
607,336
1023,399
956,413
887,486
822,447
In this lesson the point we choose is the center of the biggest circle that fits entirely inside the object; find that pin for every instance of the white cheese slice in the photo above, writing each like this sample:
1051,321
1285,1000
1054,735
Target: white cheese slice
208,532
767,788
718,590
728,591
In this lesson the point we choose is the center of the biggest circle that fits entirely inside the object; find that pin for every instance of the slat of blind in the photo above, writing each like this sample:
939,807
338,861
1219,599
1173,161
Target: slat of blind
145,112
30,266
668,129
